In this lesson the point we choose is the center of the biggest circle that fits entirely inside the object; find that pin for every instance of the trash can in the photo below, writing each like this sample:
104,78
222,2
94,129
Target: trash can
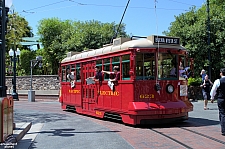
31,96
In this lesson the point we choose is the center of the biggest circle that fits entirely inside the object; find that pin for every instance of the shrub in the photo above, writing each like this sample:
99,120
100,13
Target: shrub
194,81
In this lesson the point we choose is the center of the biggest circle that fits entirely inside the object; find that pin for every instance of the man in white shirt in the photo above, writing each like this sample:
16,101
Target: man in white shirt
219,87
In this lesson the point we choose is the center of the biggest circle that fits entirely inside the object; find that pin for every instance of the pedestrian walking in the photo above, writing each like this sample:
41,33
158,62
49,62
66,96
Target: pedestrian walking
203,74
219,88
206,85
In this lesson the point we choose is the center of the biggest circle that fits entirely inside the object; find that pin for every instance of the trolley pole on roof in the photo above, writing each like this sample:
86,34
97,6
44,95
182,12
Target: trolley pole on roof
209,50
115,35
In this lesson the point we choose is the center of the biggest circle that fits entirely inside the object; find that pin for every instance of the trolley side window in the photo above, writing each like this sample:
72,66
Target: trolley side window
125,67
145,66
106,68
167,66
63,75
99,64
184,67
78,77
73,69
67,72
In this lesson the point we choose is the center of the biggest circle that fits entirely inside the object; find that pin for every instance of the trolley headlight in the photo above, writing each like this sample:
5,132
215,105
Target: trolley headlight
170,88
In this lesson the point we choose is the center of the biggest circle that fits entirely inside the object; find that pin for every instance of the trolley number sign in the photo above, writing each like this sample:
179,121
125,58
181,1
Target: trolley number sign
148,96
166,40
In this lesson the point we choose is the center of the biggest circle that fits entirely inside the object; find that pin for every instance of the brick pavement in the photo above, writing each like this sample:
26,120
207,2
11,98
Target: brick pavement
204,132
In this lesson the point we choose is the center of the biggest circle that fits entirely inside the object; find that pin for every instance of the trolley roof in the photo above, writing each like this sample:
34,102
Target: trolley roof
121,44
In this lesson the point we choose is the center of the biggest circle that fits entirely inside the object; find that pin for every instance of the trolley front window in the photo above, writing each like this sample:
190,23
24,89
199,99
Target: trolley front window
167,66
145,66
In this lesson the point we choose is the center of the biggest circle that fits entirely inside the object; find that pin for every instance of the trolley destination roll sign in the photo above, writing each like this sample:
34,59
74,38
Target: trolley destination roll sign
165,40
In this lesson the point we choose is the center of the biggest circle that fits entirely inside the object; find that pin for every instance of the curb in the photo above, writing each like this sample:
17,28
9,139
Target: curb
20,132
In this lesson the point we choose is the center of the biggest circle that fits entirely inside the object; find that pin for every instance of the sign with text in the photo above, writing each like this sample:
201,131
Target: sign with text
165,40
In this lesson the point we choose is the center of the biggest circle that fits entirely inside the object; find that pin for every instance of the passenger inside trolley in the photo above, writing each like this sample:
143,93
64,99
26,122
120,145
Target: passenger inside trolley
115,74
71,77
173,71
183,71
115,77
98,75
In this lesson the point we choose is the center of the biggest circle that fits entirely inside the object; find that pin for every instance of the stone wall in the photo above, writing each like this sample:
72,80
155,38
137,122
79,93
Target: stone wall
40,82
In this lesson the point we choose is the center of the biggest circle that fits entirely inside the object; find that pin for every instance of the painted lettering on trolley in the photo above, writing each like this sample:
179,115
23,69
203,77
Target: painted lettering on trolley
147,96
98,112
74,91
109,93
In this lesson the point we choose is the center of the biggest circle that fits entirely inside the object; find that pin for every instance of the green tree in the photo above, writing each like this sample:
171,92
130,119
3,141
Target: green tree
191,27
51,31
91,35
17,28
25,58
58,37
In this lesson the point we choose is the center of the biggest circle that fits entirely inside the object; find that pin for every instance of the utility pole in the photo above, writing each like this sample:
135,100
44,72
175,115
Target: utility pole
3,88
209,50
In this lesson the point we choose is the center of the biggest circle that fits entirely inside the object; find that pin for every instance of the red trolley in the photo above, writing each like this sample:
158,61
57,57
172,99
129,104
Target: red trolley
152,86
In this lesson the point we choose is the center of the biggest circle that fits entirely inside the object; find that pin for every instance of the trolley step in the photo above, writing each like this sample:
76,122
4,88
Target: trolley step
112,116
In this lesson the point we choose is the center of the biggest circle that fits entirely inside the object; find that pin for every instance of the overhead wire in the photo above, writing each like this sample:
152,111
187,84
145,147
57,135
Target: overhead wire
157,56
45,5
183,3
86,4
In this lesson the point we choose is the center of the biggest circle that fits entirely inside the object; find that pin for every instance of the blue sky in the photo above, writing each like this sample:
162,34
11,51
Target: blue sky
141,18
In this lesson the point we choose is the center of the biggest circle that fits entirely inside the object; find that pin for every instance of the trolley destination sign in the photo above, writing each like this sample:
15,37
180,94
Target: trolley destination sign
165,40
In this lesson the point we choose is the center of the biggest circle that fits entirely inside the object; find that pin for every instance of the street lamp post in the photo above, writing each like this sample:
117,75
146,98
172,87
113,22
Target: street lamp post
33,63
4,9
14,55
209,50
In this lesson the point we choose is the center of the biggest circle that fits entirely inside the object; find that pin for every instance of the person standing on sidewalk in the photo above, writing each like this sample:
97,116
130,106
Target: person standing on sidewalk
219,87
206,90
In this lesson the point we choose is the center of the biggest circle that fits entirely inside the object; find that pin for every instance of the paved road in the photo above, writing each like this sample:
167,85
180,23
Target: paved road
56,129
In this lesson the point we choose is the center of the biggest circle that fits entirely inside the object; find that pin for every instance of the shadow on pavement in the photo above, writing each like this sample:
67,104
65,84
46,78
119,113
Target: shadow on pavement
68,132
38,117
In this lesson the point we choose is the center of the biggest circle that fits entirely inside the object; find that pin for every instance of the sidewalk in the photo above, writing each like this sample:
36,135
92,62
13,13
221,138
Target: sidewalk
24,133
39,98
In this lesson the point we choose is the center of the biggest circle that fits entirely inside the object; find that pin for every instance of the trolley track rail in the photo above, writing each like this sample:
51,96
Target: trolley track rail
171,138
164,132
206,136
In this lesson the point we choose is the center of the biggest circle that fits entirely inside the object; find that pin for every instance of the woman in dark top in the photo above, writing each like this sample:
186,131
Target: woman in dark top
206,90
